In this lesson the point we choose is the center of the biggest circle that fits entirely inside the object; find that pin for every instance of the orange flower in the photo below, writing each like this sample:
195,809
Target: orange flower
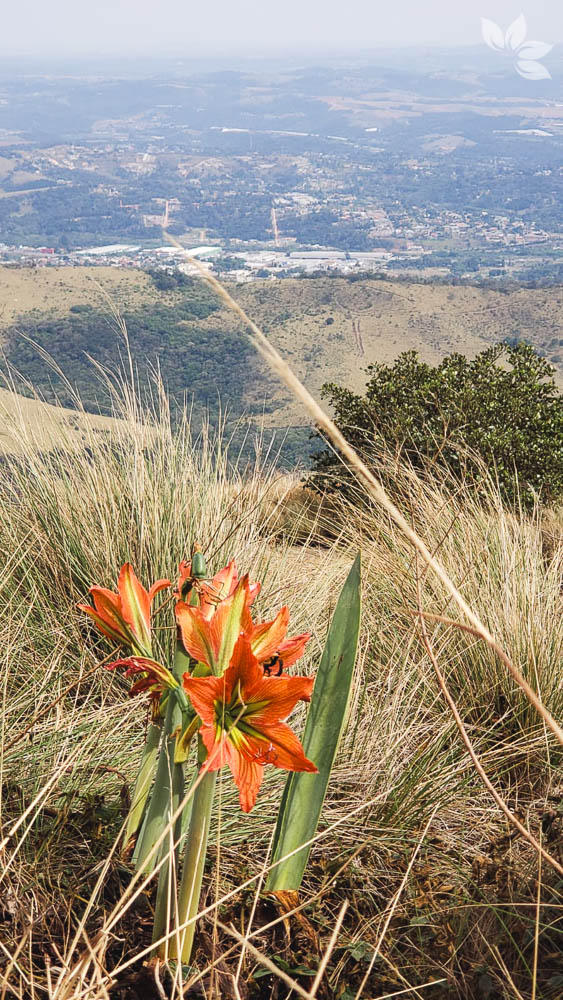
209,633
212,592
243,720
155,678
125,617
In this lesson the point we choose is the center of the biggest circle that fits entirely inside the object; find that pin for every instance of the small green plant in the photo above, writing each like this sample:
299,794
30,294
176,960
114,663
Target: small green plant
227,689
458,415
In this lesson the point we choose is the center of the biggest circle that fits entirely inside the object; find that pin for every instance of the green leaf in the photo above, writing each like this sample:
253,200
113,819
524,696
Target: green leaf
143,783
361,951
166,794
304,794
169,779
194,862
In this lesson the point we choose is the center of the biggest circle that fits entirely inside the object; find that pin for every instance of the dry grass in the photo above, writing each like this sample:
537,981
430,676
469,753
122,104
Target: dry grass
438,887
27,291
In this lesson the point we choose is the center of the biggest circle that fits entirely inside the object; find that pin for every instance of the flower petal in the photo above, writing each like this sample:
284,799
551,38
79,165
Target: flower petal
278,745
143,665
156,588
141,686
107,604
226,624
216,754
103,625
243,670
198,639
110,597
247,775
246,772
135,605
267,637
224,582
184,574
277,697
203,692
292,649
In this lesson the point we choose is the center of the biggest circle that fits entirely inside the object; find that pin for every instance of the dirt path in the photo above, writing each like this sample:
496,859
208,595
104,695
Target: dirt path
357,330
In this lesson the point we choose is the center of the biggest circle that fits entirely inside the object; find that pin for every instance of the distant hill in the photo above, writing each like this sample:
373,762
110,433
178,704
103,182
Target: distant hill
23,420
332,328
328,328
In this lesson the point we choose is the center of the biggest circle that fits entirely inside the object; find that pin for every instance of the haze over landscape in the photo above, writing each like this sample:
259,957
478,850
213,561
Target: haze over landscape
132,26
442,166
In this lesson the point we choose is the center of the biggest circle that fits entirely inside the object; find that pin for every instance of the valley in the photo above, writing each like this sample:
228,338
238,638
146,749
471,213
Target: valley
330,329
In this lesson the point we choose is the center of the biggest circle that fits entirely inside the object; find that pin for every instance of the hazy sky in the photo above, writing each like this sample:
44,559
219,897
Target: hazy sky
58,27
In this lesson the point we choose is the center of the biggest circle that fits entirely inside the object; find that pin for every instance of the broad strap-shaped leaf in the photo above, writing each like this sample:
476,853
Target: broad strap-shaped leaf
143,783
304,793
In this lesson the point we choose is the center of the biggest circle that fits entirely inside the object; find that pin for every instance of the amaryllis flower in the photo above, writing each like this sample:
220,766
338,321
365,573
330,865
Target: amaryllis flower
209,633
243,717
269,643
212,592
210,638
154,677
125,617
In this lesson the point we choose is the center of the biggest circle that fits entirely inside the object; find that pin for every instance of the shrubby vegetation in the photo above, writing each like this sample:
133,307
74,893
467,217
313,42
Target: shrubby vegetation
168,280
199,362
501,409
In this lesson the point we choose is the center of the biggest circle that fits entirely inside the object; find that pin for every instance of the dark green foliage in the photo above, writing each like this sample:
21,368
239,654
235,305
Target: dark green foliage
225,264
459,412
217,370
169,280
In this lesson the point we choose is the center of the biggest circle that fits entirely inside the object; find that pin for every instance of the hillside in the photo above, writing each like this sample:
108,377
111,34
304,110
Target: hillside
328,328
331,328
24,421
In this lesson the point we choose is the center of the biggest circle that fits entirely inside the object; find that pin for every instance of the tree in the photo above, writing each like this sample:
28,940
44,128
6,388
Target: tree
457,414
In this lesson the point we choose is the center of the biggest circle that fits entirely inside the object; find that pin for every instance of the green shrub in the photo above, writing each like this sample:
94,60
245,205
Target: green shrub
460,414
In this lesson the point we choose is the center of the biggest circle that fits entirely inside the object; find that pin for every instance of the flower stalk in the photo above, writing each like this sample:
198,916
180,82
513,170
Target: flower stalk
168,789
142,787
194,860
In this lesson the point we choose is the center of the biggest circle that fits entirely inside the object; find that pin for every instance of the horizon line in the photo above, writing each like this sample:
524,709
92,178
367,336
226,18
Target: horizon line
252,53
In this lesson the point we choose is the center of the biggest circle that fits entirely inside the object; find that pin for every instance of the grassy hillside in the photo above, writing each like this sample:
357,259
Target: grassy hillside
28,422
27,291
328,328
445,899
